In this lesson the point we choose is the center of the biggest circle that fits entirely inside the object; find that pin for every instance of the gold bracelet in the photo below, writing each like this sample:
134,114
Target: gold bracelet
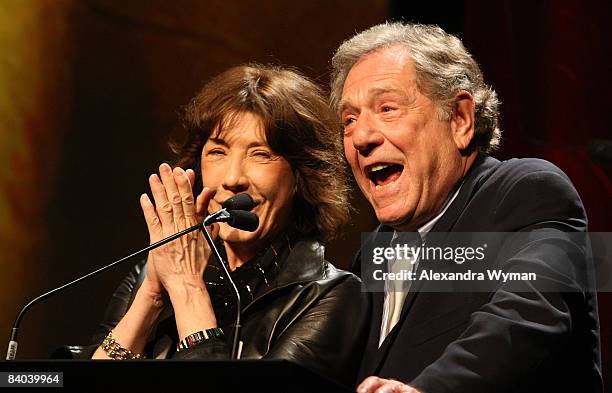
114,350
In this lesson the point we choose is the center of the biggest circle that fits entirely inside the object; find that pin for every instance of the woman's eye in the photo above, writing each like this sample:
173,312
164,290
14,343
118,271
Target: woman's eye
387,108
262,154
215,152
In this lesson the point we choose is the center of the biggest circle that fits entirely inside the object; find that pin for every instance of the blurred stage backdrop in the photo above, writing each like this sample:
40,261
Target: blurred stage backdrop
92,90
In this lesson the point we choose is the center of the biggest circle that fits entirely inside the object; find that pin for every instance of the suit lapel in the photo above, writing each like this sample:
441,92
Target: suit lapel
371,356
374,354
387,344
363,269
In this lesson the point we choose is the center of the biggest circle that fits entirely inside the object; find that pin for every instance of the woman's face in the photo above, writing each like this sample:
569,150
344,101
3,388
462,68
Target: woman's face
238,159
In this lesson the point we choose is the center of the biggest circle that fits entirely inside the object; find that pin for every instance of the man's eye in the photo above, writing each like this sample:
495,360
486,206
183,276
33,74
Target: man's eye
387,108
348,121
215,152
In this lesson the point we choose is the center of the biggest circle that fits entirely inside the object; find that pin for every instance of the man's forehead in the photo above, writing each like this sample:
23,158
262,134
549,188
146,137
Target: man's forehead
382,61
392,60
382,71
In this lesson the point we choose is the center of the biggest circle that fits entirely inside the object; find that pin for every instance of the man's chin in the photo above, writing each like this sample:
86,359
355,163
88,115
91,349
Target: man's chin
394,219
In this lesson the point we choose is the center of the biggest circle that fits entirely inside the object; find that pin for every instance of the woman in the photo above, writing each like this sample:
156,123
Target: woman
268,132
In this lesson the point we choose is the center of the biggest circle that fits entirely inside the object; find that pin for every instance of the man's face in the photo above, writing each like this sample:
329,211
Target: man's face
403,157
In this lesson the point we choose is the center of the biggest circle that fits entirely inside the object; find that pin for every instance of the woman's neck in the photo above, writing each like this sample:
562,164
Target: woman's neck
238,255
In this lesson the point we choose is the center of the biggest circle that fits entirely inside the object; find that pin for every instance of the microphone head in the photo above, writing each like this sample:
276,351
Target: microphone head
243,220
242,201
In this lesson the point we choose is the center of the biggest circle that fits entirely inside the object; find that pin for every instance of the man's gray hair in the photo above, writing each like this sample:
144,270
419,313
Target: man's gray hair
443,68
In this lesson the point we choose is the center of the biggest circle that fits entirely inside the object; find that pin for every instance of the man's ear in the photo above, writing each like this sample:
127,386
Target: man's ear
463,120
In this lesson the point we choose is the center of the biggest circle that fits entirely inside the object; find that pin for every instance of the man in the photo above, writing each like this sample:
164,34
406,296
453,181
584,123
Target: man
419,123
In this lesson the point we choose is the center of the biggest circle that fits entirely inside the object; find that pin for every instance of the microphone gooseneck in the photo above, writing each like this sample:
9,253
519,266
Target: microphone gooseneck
235,349
237,218
237,215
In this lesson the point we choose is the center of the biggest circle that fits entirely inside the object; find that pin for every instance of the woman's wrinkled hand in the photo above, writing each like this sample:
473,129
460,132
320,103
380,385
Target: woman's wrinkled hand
181,262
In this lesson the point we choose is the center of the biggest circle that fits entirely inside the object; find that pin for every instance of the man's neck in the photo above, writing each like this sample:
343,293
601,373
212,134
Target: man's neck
425,226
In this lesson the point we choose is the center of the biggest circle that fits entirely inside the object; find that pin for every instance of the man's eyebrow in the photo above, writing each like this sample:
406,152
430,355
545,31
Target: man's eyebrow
373,94
343,105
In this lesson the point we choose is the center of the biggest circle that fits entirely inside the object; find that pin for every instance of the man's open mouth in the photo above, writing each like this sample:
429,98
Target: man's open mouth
383,174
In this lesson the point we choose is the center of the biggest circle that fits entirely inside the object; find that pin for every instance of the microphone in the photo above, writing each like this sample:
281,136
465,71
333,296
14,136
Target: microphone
242,201
237,218
243,220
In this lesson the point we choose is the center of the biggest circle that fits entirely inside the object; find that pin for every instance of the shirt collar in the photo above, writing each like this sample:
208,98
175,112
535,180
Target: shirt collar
424,230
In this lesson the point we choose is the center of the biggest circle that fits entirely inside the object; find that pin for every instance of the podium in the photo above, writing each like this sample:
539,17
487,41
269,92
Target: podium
174,376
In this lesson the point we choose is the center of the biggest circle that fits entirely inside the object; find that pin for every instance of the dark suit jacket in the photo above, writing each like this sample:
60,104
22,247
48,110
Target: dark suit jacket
501,341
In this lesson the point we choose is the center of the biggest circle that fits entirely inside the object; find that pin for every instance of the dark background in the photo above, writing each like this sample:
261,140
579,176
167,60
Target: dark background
123,71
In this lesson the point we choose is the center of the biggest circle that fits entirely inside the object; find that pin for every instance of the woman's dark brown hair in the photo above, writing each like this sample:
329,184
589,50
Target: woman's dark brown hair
298,125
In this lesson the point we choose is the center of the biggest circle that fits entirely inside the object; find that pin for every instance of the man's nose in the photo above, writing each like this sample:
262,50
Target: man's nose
366,134
236,179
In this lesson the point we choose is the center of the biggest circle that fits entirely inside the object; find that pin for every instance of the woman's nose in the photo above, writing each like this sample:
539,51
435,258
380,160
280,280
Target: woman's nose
236,180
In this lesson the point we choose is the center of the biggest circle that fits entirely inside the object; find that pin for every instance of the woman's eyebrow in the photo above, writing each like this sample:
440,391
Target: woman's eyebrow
217,141
222,142
257,144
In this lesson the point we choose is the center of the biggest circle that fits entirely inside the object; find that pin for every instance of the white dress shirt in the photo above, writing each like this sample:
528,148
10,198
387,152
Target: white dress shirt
396,291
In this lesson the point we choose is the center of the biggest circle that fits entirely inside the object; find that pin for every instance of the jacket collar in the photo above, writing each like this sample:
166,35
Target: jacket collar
305,263
481,166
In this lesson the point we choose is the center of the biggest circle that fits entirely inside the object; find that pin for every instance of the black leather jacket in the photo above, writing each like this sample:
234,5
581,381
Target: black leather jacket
312,314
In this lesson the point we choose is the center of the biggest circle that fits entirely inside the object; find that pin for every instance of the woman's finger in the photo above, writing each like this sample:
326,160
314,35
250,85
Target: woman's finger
202,202
174,197
184,188
191,176
162,205
153,223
